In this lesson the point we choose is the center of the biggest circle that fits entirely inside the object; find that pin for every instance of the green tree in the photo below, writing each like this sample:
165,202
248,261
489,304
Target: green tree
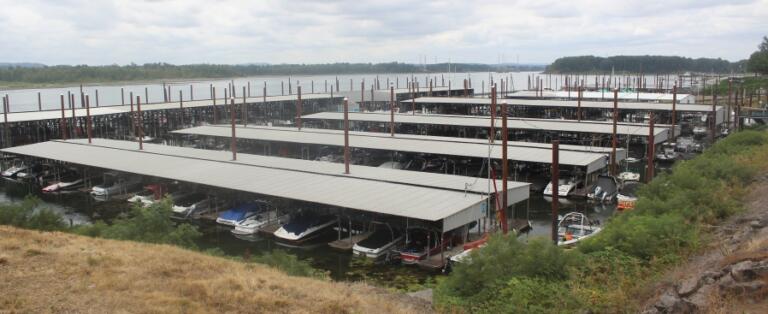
758,61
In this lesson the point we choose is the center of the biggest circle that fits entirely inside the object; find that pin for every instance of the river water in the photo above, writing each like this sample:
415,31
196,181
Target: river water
110,94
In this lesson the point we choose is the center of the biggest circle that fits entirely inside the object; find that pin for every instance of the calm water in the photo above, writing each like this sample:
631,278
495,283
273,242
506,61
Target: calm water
110,94
78,207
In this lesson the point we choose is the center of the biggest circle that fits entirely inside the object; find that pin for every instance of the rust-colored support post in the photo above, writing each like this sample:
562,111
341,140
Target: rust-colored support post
191,93
39,102
122,96
555,186
466,92
132,116
614,138
233,142
413,103
74,117
181,107
298,107
713,124
6,137
728,104
215,113
430,88
651,149
504,169
88,121
391,111
674,111
578,108
245,104
346,135
362,95
63,123
492,109
141,123
97,98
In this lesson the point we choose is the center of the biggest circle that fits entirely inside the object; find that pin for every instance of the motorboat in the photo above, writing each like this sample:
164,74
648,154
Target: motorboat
575,227
667,153
253,224
240,213
699,130
392,165
628,176
468,248
16,167
627,197
190,205
379,243
304,228
148,195
69,181
420,243
115,184
33,172
565,187
605,189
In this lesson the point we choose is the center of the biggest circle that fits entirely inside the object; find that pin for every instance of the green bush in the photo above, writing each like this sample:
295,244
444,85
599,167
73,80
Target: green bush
28,214
151,224
502,259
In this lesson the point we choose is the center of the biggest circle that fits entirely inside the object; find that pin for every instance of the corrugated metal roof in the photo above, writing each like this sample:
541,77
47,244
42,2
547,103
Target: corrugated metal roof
98,111
589,156
214,169
552,103
644,96
584,126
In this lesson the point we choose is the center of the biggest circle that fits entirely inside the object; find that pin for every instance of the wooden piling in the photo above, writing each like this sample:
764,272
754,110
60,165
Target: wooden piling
391,111
141,123
63,123
651,149
233,143
298,107
346,135
555,181
504,169
88,119
614,138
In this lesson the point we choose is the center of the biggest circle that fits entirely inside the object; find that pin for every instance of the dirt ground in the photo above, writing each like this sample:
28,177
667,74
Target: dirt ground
52,272
731,273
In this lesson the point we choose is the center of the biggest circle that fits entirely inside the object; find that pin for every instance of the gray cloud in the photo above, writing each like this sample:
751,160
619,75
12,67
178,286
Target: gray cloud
306,31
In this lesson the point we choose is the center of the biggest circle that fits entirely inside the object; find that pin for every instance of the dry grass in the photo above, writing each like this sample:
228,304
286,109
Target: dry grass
59,272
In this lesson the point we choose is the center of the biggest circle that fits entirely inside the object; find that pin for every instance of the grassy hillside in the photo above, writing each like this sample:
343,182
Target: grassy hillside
61,272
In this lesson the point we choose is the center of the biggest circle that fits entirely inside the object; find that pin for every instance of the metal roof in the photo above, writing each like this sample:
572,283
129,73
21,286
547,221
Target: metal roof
594,158
660,97
107,110
551,103
215,168
584,126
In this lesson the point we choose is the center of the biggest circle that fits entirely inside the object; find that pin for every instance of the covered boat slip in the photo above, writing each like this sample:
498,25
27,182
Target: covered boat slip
29,116
603,96
383,95
402,194
539,108
593,159
594,128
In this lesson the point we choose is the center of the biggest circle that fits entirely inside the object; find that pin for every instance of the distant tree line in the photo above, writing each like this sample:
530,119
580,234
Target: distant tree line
645,64
758,61
155,71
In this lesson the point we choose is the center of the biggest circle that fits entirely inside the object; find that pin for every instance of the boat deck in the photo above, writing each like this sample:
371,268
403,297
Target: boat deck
437,261
269,229
346,244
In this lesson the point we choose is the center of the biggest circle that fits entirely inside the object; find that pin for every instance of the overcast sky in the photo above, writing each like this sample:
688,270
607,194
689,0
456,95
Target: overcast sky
284,31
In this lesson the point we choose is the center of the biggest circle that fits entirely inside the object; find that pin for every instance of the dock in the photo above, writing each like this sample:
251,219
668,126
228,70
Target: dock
346,244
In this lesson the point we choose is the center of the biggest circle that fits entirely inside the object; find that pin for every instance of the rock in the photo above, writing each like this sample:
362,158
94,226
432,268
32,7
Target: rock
652,310
709,277
757,224
743,287
700,300
669,302
688,286
726,281
742,271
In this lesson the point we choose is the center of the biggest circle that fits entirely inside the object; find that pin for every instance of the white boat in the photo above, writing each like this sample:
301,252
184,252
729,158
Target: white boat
627,176
190,205
627,197
304,228
146,196
668,153
575,227
253,224
378,244
699,130
605,189
16,167
240,213
565,187
115,184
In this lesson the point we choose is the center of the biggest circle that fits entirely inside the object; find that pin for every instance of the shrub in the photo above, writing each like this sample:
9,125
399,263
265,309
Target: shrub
28,214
